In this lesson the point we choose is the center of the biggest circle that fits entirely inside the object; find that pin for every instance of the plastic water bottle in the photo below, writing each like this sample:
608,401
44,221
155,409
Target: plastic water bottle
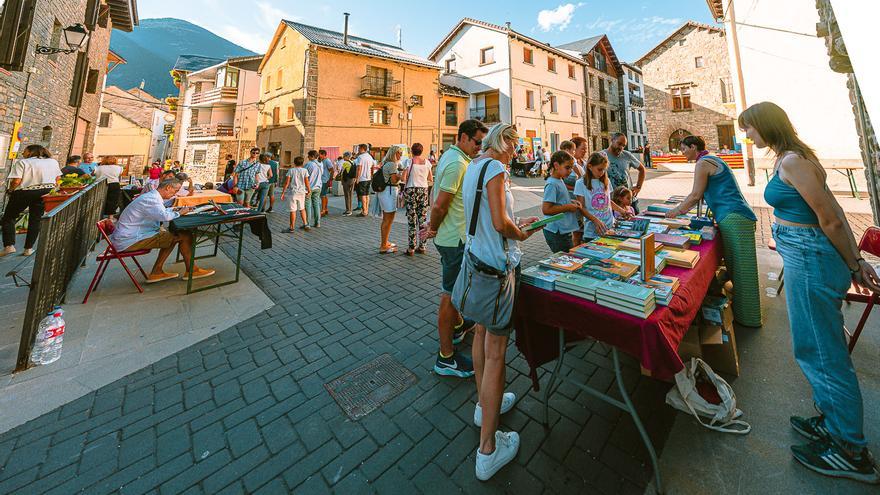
57,338
50,336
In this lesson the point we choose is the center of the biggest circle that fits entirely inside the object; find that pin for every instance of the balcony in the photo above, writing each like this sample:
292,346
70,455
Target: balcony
210,131
223,94
636,101
488,115
380,88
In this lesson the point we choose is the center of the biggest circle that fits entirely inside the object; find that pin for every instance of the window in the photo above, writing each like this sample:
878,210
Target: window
450,65
551,64
416,100
267,85
571,72
280,83
603,121
487,55
380,116
602,96
530,99
599,61
726,90
553,108
592,111
592,81
528,56
574,108
199,156
681,42
613,116
451,113
290,113
605,143
92,81
276,115
231,78
681,99
698,62
104,119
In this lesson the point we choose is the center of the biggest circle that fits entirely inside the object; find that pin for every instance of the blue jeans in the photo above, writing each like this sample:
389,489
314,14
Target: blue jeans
816,281
558,242
313,207
262,190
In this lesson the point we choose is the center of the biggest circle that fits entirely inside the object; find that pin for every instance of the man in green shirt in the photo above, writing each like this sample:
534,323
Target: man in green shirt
447,227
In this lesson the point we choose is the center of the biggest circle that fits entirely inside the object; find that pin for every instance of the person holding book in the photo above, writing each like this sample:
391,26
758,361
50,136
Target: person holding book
557,200
715,183
492,252
593,193
821,261
623,197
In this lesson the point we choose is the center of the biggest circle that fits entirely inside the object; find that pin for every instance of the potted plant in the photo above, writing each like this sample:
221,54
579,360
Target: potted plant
55,198
74,182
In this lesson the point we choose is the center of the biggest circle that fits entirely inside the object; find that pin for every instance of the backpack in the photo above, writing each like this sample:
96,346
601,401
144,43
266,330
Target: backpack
351,173
377,183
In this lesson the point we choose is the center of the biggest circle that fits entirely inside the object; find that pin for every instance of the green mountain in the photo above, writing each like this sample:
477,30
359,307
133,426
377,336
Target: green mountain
153,47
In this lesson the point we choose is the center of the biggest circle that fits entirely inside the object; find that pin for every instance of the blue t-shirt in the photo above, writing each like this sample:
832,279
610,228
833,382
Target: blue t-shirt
316,171
487,244
598,202
555,192
88,168
274,166
328,169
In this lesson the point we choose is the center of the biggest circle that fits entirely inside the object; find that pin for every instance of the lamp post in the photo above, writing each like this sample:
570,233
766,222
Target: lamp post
74,36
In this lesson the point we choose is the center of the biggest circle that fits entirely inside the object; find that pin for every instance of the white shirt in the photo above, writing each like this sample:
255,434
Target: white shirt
418,174
487,244
141,219
111,172
263,173
365,164
34,172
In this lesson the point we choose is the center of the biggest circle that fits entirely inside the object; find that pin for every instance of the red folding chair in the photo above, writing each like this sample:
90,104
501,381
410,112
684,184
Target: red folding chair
106,227
870,244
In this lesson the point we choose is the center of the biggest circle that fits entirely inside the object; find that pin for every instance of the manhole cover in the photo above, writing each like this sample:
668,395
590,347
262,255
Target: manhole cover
361,391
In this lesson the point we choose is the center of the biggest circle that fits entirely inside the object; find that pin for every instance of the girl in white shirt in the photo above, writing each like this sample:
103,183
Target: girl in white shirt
34,175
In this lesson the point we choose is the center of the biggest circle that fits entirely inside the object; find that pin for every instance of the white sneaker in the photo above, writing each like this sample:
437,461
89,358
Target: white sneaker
7,250
506,447
27,252
507,402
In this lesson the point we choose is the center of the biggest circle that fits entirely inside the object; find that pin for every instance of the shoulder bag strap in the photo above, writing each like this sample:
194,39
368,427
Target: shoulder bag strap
477,197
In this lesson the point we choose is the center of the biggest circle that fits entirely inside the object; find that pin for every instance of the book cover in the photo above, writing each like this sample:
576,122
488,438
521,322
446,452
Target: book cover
579,282
657,228
636,245
592,251
606,242
694,236
622,270
541,277
593,272
625,291
563,262
647,267
678,241
684,258
624,233
663,207
583,295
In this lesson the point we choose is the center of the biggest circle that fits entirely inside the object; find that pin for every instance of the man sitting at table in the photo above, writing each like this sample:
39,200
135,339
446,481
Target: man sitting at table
139,228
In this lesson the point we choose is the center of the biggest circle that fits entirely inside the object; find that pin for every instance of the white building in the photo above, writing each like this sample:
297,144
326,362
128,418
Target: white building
633,88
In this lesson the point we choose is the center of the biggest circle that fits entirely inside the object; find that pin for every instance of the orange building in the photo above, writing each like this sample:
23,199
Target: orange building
325,89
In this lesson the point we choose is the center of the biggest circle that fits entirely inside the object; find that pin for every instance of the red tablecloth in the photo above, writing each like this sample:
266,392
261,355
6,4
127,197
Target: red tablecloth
653,341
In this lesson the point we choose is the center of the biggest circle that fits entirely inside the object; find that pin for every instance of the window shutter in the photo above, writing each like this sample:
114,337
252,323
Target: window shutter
93,9
79,79
15,33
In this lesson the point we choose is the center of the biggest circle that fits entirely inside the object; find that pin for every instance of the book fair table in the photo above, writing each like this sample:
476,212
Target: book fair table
211,226
548,321
203,197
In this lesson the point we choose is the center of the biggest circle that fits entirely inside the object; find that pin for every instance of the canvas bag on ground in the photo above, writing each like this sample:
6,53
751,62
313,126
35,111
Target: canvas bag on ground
685,397
483,293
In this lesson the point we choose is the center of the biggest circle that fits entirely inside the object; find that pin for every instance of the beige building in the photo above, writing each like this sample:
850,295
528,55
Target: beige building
688,88
516,79
603,74
216,113
130,127
325,89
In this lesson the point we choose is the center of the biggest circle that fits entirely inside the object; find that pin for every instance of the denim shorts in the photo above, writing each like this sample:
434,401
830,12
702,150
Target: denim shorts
325,189
450,265
558,242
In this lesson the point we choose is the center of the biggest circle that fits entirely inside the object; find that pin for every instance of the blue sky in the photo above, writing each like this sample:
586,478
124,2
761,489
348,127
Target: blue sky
633,26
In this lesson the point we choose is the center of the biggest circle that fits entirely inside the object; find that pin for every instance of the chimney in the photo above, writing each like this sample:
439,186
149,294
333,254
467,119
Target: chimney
345,32
507,24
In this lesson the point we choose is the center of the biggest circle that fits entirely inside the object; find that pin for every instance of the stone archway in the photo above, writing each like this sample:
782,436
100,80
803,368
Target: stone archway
675,139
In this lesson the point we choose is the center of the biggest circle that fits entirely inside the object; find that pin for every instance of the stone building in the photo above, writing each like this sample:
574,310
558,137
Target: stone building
688,88
633,93
602,76
216,113
516,79
56,97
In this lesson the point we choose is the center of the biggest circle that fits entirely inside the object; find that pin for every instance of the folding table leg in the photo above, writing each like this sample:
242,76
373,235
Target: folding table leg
855,336
553,375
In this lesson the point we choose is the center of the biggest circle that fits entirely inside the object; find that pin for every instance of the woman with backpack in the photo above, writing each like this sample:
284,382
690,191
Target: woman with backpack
385,183
417,177
348,176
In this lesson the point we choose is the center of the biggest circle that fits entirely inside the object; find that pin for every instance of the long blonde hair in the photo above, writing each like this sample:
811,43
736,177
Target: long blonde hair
498,136
391,154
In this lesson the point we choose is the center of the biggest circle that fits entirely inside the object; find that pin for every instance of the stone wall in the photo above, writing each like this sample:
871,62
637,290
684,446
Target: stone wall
675,67
612,103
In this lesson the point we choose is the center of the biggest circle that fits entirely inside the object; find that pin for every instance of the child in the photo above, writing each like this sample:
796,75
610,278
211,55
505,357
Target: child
557,200
297,185
592,192
622,197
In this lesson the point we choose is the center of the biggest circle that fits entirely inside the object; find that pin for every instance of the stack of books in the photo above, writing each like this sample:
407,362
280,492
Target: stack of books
578,285
563,262
607,242
634,258
623,233
540,277
677,241
683,258
695,236
674,223
662,285
587,250
627,298
593,272
663,208
636,245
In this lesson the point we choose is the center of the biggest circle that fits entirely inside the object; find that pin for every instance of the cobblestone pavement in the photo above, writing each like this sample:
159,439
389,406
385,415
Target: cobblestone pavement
246,411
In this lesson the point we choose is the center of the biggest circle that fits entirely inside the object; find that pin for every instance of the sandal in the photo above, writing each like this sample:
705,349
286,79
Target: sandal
389,250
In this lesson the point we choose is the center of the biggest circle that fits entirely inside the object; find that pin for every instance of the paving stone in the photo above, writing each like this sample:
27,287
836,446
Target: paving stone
432,480
423,452
243,437
313,431
310,465
386,457
394,481
351,458
346,431
209,439
136,447
455,451
201,470
235,470
171,444
255,390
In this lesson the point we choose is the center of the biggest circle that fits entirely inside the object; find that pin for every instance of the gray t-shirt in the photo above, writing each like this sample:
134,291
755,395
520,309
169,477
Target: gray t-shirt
298,180
389,169
618,168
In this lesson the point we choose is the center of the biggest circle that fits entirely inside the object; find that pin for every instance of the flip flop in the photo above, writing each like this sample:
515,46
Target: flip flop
167,276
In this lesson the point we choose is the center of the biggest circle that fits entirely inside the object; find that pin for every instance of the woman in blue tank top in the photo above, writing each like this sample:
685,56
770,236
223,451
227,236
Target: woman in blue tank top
715,183
821,261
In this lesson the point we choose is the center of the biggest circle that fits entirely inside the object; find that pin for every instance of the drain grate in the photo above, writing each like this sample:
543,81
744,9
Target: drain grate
363,390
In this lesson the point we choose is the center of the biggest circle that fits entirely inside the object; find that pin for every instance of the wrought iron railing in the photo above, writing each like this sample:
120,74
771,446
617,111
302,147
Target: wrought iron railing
67,233
380,87
210,130
636,101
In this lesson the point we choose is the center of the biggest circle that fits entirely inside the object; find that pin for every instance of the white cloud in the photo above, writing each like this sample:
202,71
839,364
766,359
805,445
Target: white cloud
254,41
266,18
639,30
559,17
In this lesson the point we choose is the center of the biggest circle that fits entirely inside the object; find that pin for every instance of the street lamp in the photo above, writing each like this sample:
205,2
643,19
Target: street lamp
75,36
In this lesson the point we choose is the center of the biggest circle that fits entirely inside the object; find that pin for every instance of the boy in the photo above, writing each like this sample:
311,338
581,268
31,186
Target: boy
297,184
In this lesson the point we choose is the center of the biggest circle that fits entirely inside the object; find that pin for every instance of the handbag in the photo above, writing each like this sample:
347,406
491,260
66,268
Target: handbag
483,293
685,396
